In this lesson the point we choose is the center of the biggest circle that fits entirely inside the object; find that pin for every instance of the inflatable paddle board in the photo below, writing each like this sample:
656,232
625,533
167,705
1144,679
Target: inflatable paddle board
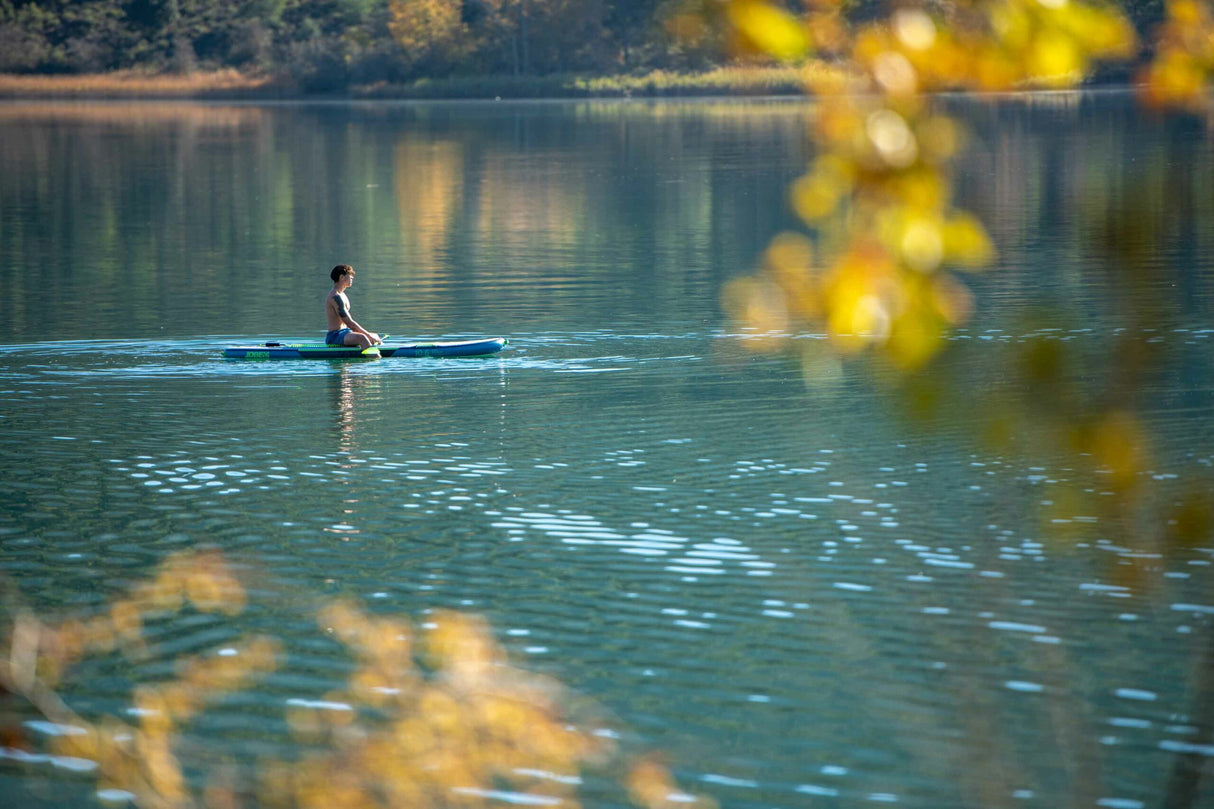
320,351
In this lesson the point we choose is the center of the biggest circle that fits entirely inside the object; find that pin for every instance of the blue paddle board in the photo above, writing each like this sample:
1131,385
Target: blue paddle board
320,351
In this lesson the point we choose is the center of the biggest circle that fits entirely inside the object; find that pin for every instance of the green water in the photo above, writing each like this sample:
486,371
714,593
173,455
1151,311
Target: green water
794,591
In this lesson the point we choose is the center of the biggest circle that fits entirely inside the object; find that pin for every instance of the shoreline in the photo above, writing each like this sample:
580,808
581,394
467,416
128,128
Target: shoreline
232,85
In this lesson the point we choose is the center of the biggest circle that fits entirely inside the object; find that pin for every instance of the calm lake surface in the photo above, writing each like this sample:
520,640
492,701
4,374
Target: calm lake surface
790,587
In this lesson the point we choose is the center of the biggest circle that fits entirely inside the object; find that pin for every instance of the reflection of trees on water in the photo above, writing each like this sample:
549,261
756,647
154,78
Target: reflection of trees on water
428,177
1057,173
155,212
438,204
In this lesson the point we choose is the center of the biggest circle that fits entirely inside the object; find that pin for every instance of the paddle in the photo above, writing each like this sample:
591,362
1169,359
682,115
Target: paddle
373,350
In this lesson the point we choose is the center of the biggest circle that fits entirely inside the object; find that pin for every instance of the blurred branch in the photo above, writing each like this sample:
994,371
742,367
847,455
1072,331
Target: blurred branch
434,718
18,674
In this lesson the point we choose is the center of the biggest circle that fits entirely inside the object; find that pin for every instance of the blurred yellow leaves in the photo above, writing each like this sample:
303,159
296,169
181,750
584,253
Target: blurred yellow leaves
966,243
455,723
994,45
767,29
1051,43
1180,74
650,785
1117,442
430,716
878,193
138,759
878,269
141,759
203,580
755,29
868,296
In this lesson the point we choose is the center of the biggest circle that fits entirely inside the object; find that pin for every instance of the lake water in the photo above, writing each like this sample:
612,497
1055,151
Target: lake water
791,587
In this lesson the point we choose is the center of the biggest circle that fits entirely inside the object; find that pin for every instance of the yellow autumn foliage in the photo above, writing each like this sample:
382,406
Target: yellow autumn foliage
1182,71
878,190
434,715
429,30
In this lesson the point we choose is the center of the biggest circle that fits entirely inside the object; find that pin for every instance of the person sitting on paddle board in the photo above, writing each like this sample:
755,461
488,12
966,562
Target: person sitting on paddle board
343,329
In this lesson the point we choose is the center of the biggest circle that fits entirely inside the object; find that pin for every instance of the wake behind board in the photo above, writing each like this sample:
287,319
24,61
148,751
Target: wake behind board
320,351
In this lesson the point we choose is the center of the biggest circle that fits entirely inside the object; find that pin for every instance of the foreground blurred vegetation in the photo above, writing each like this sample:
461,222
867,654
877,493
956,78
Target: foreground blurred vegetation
878,267
432,714
329,45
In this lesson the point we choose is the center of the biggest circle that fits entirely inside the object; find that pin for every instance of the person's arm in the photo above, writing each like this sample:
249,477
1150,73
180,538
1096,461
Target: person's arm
343,311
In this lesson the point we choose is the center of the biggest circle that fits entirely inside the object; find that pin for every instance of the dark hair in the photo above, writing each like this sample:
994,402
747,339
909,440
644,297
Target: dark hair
339,271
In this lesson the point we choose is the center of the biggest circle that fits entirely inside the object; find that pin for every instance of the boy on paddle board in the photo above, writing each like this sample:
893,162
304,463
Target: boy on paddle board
343,329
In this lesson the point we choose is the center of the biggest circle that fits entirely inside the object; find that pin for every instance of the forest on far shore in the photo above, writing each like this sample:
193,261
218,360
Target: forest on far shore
328,45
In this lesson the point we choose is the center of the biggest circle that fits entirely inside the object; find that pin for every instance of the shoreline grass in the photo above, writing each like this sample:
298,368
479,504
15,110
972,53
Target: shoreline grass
233,84
722,81
135,85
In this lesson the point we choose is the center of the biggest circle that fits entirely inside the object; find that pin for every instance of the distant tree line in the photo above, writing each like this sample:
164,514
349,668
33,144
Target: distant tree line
329,44
335,42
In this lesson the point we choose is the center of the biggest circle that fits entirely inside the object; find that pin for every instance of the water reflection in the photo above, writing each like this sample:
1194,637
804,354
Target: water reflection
347,388
455,218
127,115
429,177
